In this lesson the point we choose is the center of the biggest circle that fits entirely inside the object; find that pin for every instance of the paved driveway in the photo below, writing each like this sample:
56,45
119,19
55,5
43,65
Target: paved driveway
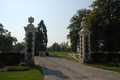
59,69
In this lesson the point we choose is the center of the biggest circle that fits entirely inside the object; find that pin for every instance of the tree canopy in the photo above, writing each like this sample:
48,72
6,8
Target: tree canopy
64,46
18,46
104,22
6,40
75,27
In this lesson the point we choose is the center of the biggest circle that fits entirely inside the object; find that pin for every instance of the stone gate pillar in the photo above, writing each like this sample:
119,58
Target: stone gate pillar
30,42
84,36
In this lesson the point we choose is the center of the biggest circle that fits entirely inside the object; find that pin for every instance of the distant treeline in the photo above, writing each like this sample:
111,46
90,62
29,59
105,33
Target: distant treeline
64,46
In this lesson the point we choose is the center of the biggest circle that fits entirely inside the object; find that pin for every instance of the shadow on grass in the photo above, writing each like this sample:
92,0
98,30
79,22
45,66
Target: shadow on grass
39,68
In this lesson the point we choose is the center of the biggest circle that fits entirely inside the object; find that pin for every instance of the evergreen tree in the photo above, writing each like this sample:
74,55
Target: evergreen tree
41,37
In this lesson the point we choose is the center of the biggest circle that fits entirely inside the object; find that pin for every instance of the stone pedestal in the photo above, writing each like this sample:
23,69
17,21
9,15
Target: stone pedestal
30,42
84,36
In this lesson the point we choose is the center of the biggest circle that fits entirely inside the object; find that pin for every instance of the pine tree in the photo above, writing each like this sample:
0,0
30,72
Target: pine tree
41,37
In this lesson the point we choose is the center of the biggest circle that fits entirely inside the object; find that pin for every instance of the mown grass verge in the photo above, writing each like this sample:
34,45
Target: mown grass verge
72,59
58,54
33,74
108,66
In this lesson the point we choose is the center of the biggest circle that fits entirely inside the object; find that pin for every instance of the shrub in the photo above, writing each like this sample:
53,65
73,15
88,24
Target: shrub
112,64
115,60
8,60
18,68
102,59
22,64
2,64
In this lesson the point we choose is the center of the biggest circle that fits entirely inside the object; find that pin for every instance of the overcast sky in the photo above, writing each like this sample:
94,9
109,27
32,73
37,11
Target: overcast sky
56,14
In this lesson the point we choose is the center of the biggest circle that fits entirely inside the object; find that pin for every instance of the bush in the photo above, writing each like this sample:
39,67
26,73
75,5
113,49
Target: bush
115,60
8,60
16,57
100,57
18,68
2,64
22,64
112,64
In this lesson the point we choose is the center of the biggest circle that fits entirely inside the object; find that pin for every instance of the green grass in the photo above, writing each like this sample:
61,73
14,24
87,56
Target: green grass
72,59
56,54
33,74
112,67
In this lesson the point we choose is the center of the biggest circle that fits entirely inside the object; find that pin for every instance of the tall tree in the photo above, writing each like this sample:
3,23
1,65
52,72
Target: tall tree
6,41
75,27
104,22
41,37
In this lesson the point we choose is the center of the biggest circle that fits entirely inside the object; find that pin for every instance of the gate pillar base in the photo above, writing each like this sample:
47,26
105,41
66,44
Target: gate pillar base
29,61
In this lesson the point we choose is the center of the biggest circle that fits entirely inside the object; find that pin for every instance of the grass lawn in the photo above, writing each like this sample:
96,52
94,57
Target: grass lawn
33,74
108,66
72,59
56,54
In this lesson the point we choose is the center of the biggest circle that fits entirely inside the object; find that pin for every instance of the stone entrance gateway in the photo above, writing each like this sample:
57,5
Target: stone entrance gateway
30,42
84,36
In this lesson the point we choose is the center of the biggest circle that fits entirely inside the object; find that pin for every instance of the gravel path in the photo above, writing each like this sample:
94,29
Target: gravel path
59,69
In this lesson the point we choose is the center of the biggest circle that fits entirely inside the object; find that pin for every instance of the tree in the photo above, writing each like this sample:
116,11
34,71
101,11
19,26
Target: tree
19,46
41,37
64,46
75,27
6,41
55,47
1,29
104,22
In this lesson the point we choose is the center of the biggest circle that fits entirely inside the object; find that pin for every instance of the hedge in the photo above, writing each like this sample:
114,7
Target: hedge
11,58
105,57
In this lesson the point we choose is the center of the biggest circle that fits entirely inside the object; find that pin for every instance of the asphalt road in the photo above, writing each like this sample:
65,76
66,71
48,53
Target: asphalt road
55,68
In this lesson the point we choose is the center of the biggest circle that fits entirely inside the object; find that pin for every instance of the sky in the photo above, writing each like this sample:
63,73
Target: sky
56,14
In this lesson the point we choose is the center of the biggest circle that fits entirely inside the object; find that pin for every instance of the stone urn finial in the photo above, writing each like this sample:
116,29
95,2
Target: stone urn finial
31,20
84,24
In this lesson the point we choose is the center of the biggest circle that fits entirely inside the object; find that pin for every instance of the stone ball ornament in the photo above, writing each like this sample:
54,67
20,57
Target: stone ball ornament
84,24
31,19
